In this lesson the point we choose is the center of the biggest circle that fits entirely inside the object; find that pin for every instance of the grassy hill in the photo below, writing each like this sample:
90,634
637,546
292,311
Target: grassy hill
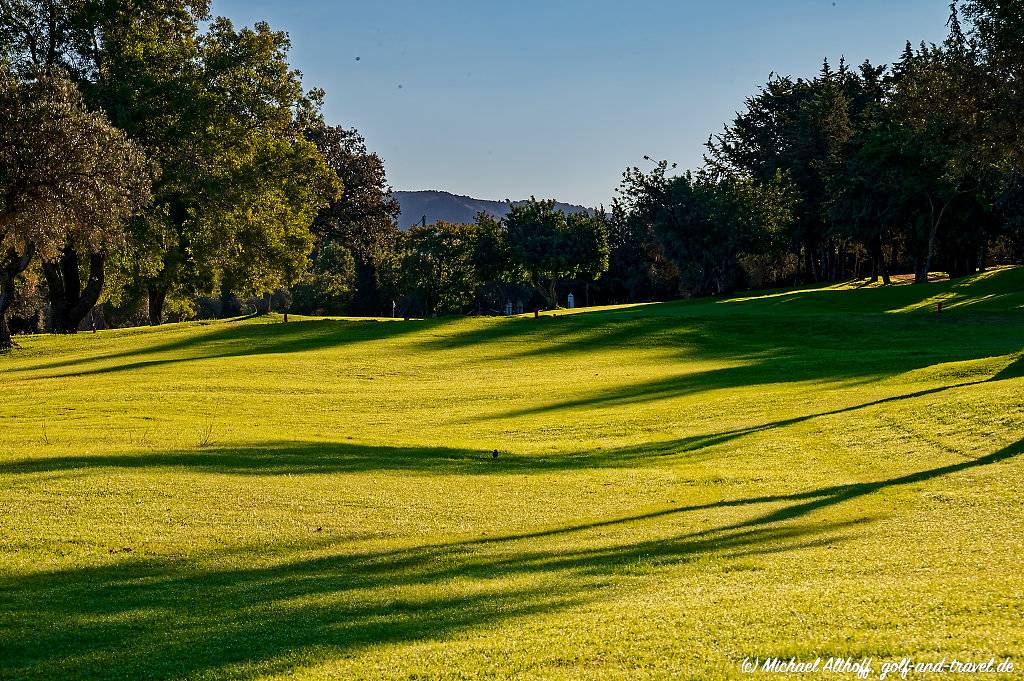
834,471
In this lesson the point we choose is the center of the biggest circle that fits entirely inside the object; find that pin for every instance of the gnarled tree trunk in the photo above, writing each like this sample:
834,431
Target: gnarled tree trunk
11,266
70,302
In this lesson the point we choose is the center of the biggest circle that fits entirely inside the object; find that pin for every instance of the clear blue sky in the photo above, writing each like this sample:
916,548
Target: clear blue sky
554,98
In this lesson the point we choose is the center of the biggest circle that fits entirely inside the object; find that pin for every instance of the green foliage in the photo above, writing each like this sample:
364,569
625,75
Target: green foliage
66,177
798,130
704,221
65,173
279,193
549,248
997,34
438,269
363,219
219,110
327,288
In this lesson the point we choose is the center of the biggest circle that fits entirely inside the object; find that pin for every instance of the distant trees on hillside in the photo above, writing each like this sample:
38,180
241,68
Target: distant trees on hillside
159,162
482,267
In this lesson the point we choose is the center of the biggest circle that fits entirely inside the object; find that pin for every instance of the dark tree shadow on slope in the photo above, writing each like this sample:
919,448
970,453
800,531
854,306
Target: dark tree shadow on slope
238,338
314,458
183,618
765,343
808,317
849,357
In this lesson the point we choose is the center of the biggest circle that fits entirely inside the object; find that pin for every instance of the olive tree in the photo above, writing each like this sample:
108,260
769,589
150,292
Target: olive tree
66,176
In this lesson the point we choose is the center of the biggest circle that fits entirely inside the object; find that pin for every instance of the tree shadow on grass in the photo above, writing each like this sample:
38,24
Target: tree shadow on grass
820,317
176,619
239,338
863,360
758,346
769,350
317,458
1013,370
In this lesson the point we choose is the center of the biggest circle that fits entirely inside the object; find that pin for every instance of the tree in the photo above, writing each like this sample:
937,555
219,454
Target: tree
214,106
327,287
499,279
66,176
243,185
932,111
799,130
706,220
997,32
438,272
637,267
363,219
550,248
868,198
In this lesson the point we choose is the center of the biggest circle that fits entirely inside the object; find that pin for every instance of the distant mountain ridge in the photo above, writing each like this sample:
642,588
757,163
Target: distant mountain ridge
439,205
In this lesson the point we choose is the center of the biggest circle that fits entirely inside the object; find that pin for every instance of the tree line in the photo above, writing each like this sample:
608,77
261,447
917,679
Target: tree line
157,162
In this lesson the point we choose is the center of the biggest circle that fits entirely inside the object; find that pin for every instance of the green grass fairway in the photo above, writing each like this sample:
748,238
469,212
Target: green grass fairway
834,471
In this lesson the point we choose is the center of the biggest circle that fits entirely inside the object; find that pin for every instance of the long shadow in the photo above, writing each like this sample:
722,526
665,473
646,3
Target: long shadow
179,619
312,458
696,382
755,348
808,501
763,347
236,339
886,348
317,458
1013,370
828,314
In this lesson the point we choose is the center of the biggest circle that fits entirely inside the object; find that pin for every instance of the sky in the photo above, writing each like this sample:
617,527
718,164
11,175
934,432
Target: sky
554,98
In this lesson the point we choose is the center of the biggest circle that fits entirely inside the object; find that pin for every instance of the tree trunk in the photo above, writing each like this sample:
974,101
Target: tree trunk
5,331
157,297
6,298
877,260
11,266
816,262
924,264
69,302
229,305
921,266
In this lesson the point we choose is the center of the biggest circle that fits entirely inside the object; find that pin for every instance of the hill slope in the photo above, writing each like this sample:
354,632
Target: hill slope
678,486
439,205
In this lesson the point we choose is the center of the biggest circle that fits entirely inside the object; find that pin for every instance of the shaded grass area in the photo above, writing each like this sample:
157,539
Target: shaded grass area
678,486
183,620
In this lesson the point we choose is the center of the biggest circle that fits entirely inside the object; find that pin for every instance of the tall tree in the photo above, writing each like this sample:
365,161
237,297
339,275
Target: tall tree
438,269
241,184
363,220
997,32
799,130
212,105
66,177
549,248
706,220
933,107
